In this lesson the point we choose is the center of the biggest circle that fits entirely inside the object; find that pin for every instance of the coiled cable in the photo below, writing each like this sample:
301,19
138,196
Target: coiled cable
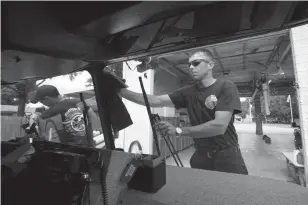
103,184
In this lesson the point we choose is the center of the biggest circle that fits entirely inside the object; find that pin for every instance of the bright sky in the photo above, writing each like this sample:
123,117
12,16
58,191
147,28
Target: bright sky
65,85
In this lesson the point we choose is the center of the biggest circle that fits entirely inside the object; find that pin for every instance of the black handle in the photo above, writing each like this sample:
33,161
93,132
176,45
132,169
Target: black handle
146,101
87,122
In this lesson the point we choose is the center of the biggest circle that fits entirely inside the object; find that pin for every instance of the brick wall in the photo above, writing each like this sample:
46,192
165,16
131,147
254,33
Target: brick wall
299,44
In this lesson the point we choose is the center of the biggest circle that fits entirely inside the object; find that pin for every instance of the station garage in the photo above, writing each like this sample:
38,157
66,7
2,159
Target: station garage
260,66
257,64
261,47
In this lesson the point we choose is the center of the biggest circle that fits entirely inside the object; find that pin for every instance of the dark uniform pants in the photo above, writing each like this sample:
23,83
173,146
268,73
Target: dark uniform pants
229,160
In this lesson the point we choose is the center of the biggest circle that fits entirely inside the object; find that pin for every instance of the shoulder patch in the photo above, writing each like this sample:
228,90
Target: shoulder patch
211,102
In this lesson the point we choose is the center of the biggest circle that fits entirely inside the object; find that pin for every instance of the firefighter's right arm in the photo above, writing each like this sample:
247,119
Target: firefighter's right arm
154,101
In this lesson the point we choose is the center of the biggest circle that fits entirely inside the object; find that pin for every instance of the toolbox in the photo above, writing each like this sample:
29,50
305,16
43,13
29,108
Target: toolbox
150,175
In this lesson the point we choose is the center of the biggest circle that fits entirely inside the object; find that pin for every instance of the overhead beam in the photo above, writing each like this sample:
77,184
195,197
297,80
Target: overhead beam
156,65
284,55
280,45
244,55
165,63
135,16
187,54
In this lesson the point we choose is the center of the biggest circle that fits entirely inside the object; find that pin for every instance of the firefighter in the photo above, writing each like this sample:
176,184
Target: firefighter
211,104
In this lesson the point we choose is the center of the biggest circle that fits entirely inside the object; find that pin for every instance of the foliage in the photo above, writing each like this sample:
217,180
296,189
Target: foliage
17,94
116,69
89,82
279,108
20,93
72,76
245,108
9,95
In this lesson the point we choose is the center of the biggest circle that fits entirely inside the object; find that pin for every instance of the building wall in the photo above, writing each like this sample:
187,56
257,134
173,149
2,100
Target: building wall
299,44
141,129
165,83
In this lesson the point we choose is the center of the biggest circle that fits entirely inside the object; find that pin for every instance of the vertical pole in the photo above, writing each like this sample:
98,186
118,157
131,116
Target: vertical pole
292,119
258,113
50,135
250,114
299,45
101,90
266,98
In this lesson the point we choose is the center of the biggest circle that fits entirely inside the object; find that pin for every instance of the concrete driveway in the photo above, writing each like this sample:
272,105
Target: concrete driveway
264,160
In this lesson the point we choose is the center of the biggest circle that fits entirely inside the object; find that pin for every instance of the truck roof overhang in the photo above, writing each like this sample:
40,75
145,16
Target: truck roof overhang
40,40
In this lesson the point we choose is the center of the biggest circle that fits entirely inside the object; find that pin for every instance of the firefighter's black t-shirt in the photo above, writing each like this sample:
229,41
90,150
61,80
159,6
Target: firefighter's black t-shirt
201,104
73,131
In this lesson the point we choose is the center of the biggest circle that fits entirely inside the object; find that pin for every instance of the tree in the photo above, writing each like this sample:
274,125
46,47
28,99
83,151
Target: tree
116,69
72,76
279,108
18,94
245,108
8,95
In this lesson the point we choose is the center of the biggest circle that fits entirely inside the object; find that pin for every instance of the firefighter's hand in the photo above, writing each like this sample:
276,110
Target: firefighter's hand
165,128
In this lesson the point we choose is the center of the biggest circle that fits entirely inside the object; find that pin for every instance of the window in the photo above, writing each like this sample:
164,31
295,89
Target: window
57,116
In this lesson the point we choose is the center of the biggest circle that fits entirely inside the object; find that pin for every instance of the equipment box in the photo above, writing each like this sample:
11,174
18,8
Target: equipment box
150,176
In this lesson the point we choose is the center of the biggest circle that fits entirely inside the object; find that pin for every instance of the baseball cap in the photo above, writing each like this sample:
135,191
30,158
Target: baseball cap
45,91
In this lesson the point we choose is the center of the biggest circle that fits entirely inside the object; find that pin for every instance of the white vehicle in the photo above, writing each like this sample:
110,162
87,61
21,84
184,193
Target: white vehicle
127,139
